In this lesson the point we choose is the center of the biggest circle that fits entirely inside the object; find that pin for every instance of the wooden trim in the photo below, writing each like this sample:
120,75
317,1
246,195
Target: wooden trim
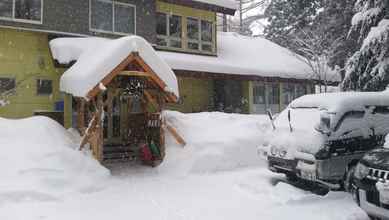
134,73
107,79
209,75
152,100
175,134
204,6
171,97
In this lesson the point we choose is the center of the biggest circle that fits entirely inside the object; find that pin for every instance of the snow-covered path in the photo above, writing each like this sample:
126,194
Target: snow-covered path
241,194
218,175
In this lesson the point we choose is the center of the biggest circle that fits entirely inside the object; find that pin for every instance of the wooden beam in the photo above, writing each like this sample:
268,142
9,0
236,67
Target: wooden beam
175,134
151,99
134,73
156,79
107,79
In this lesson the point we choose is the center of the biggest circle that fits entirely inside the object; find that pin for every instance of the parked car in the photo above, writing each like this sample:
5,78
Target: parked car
370,181
320,138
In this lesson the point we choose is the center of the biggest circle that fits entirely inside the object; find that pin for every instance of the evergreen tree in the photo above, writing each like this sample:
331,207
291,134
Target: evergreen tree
368,68
288,17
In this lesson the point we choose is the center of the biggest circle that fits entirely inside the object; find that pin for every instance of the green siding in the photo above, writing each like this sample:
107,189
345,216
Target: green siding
196,95
26,57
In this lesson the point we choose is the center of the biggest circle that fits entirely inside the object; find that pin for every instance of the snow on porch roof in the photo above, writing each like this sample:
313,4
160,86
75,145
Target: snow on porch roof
97,57
222,3
250,56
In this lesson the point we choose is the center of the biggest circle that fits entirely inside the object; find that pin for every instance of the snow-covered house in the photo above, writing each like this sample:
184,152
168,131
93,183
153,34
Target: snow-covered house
27,67
215,71
247,74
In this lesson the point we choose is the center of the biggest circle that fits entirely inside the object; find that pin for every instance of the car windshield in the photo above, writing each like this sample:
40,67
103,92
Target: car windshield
300,119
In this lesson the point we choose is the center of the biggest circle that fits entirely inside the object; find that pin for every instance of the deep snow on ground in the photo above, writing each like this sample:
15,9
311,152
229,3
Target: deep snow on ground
217,175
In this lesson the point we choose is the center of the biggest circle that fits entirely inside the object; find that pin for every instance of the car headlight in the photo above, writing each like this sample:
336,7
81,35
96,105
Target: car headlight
361,171
273,151
283,153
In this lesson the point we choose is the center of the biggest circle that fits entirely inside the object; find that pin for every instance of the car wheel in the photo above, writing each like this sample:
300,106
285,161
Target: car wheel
348,181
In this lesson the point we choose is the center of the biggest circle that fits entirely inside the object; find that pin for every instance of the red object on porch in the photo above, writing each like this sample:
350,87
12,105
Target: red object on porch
147,156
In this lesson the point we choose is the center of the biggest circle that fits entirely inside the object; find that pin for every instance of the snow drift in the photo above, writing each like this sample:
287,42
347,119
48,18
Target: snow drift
215,142
40,161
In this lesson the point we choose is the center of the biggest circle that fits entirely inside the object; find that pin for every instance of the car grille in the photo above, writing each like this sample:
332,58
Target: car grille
373,196
377,174
282,163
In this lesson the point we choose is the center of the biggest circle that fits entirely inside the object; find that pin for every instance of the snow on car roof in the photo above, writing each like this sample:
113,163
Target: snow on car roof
97,57
222,3
242,55
342,101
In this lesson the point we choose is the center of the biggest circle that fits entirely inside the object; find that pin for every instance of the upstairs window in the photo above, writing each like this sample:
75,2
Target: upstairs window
44,87
112,17
206,36
22,10
193,33
185,33
169,30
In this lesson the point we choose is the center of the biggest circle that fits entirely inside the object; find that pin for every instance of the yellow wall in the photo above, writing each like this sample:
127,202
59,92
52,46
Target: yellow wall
195,94
26,57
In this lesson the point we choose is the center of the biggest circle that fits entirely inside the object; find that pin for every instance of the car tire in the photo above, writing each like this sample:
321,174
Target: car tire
348,181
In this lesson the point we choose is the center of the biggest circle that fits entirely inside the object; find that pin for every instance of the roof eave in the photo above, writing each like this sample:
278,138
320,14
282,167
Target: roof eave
202,5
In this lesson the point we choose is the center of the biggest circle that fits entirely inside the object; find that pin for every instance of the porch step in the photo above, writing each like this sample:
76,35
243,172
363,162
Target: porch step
118,153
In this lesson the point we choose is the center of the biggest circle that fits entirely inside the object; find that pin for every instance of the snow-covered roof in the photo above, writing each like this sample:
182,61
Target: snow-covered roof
342,101
97,57
244,55
222,3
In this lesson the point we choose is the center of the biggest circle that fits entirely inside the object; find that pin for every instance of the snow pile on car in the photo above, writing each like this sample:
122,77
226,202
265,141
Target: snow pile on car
300,135
215,142
40,161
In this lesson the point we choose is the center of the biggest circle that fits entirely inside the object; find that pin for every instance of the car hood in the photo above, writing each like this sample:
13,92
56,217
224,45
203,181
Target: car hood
378,158
306,141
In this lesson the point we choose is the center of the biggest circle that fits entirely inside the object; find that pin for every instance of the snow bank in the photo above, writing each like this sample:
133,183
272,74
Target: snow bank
244,55
215,142
40,161
97,57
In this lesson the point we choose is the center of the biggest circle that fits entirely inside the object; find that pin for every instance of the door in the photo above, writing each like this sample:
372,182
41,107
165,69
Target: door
115,117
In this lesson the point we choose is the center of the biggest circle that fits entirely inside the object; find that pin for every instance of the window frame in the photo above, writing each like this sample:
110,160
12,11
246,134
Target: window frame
113,2
168,37
12,18
185,40
44,94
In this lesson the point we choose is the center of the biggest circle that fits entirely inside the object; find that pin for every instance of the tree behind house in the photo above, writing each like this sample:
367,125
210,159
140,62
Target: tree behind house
368,68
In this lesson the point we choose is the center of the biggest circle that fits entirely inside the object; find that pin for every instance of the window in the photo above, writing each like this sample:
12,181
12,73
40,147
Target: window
206,36
169,30
112,16
7,84
24,10
193,28
44,87
199,33
301,90
288,93
259,94
274,94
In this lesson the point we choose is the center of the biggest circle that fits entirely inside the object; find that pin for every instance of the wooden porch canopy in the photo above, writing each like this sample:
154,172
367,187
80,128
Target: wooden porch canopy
138,68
